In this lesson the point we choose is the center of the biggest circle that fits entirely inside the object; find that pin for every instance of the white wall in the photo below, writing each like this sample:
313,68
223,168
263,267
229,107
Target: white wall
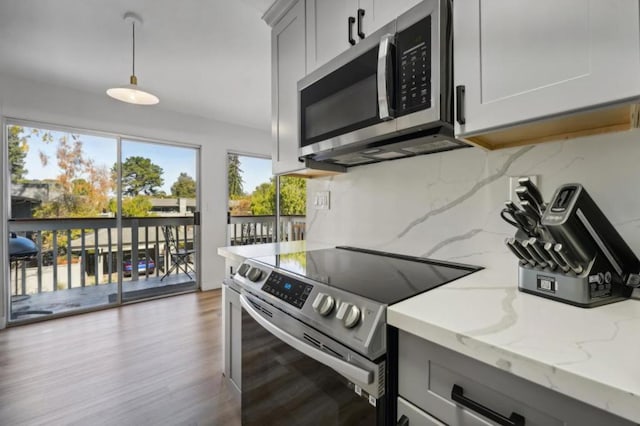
63,106
447,205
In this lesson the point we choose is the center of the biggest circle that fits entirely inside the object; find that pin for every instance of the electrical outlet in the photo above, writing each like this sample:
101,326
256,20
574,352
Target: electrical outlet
321,200
513,184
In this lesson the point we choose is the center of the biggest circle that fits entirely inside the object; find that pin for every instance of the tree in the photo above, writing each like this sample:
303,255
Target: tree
184,187
84,186
293,197
140,175
263,199
18,148
138,206
235,177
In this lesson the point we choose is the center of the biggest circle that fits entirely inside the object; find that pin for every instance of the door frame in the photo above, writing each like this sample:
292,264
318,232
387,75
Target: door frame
5,210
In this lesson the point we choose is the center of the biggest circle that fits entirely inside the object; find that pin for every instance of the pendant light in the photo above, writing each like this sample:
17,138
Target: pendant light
131,93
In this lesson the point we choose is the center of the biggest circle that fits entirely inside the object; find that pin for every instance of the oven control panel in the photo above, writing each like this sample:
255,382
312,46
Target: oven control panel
289,289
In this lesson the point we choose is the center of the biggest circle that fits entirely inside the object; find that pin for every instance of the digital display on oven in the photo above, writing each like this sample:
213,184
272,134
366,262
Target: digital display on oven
288,289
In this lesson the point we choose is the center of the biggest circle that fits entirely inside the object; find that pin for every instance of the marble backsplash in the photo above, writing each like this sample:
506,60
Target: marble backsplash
446,206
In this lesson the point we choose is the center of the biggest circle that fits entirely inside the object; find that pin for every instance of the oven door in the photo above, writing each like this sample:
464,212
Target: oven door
286,381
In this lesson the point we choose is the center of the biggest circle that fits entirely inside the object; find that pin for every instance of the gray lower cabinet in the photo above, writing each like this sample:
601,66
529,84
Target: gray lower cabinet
231,324
430,375
410,415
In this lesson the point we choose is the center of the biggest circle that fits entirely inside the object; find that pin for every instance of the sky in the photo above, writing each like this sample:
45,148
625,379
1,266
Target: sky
254,172
172,159
102,150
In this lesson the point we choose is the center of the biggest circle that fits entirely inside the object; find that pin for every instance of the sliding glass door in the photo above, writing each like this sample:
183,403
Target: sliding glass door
159,202
62,227
96,220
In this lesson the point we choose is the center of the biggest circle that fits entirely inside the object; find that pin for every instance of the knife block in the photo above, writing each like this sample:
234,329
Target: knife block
595,286
609,267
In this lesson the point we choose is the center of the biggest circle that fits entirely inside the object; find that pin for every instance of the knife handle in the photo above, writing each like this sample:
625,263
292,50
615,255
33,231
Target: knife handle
539,260
524,254
522,260
533,242
548,247
533,190
531,211
524,195
573,264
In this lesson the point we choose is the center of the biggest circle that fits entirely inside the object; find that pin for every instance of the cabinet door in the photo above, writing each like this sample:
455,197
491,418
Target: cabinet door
288,66
328,29
232,321
527,59
378,13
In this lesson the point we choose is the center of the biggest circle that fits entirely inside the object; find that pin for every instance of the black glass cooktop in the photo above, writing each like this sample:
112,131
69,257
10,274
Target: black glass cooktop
383,277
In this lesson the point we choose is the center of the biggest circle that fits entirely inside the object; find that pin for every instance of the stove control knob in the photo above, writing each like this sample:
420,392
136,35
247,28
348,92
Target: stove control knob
254,274
323,304
243,269
351,316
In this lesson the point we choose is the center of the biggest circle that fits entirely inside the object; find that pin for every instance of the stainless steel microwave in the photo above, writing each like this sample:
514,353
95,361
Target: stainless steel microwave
388,97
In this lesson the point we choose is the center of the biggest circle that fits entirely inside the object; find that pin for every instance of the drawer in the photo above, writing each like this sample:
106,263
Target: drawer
428,373
410,415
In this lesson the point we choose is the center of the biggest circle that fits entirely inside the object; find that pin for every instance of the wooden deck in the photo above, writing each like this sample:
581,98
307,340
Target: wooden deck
82,298
152,363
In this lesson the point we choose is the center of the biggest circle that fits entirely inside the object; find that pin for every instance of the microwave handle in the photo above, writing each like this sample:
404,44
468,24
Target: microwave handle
385,77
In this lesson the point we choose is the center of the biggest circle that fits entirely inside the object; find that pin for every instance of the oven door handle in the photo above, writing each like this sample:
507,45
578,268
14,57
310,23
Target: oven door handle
351,371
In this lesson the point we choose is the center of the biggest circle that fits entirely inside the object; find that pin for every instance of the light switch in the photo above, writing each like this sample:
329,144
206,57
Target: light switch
321,200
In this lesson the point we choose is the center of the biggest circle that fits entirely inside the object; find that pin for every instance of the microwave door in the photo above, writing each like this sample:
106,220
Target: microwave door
339,103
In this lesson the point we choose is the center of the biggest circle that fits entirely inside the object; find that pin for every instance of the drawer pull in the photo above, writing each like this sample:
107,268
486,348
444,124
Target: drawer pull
457,394
404,421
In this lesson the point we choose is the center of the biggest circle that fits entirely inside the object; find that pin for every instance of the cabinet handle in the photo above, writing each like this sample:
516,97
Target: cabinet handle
457,394
360,15
403,421
460,105
350,23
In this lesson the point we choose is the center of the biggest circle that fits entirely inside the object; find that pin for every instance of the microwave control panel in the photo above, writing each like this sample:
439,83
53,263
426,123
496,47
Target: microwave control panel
414,67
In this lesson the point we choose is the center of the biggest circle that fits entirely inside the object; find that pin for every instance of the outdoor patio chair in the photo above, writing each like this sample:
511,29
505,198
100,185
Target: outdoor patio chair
180,257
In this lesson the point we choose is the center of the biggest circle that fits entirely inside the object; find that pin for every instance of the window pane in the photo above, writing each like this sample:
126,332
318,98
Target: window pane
63,239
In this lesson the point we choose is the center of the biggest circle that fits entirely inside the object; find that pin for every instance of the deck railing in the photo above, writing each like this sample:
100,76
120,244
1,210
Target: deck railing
78,252
247,230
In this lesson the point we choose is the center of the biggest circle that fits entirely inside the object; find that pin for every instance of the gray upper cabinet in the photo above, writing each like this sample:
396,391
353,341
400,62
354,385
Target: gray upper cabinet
288,66
331,24
526,60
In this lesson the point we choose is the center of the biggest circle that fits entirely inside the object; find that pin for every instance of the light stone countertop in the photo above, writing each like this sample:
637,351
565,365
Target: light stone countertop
592,355
240,253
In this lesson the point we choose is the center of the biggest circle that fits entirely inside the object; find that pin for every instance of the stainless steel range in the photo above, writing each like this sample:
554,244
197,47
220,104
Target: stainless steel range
316,348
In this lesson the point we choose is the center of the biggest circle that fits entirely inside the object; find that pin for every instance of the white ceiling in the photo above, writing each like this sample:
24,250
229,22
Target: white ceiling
208,58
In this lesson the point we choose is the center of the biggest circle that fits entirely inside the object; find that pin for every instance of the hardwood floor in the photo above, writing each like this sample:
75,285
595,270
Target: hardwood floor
151,363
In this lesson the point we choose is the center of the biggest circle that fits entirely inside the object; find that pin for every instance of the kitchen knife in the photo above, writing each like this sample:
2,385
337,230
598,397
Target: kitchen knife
531,211
537,246
533,190
564,253
548,247
524,195
523,254
539,260
523,260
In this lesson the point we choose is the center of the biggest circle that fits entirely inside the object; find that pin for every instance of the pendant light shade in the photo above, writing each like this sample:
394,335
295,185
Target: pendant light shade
131,93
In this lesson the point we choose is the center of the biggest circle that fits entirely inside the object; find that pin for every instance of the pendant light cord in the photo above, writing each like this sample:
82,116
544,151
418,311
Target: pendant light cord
134,48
